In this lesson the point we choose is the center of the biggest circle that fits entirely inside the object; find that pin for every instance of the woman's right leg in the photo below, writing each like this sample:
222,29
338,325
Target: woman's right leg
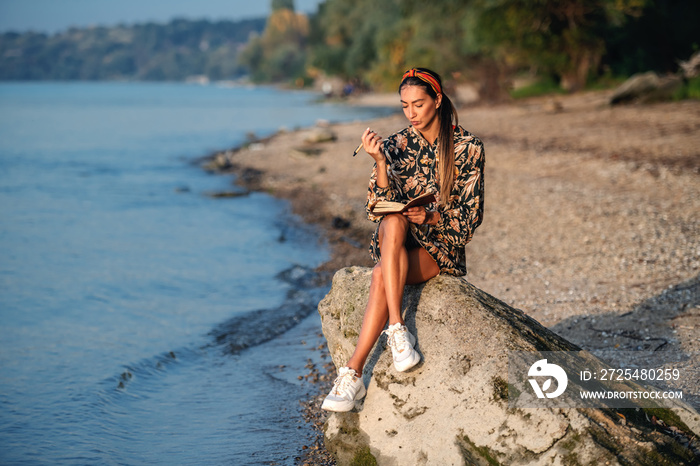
348,386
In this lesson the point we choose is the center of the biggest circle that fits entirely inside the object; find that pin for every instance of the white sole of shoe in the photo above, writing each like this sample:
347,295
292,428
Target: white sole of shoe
410,361
407,363
345,405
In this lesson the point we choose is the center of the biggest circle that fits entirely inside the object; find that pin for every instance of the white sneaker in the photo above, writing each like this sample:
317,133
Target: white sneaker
401,342
347,388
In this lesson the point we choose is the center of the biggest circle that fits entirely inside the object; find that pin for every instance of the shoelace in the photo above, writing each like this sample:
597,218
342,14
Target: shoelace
341,383
397,339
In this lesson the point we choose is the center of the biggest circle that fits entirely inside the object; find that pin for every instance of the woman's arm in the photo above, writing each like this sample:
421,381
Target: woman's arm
380,187
372,143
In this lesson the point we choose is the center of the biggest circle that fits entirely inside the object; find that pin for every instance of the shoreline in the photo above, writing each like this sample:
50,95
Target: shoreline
590,224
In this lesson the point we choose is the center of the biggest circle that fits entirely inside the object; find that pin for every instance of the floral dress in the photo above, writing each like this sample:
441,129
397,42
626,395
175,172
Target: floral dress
413,170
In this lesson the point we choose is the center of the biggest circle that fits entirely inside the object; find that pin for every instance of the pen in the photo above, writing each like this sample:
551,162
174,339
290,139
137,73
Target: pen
357,150
359,147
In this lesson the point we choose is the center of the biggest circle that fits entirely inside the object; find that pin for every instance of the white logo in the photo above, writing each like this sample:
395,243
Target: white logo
542,369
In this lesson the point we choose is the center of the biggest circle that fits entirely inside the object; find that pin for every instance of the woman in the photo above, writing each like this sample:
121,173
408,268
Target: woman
434,154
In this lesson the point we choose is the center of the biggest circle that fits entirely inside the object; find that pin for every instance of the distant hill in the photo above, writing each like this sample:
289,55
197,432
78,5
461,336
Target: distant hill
153,52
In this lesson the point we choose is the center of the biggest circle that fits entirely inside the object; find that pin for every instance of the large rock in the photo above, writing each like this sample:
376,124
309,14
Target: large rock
452,409
320,134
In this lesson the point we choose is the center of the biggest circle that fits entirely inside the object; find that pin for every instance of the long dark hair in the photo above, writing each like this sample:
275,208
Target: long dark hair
448,119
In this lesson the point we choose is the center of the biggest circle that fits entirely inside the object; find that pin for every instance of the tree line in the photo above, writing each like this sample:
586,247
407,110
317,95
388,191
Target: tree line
569,43
155,52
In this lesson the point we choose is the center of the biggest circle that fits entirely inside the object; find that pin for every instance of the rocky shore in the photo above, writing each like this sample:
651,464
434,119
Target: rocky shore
591,222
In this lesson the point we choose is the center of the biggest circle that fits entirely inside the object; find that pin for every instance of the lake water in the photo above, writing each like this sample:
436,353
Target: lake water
142,321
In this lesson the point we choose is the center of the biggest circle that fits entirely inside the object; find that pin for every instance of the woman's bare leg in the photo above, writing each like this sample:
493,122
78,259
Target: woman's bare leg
419,266
394,262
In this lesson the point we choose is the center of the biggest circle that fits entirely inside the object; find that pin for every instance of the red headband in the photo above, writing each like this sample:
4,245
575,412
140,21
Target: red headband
423,76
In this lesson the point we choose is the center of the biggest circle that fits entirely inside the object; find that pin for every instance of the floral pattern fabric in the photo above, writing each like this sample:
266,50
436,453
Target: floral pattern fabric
412,169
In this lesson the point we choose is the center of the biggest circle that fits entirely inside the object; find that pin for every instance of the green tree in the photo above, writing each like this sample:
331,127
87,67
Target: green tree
379,46
354,39
567,40
663,34
280,52
564,38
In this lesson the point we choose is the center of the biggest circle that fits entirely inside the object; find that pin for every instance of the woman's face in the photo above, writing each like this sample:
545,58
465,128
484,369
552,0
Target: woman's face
421,109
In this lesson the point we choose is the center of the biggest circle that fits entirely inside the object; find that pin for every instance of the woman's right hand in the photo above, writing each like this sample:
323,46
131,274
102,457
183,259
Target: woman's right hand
372,142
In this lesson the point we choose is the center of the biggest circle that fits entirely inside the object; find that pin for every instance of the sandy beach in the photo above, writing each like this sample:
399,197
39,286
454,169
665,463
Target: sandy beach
592,212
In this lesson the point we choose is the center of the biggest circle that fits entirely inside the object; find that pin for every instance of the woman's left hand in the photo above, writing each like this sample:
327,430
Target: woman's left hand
421,216
417,215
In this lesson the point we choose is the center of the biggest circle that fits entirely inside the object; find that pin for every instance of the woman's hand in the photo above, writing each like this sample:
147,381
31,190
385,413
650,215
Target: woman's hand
372,142
420,216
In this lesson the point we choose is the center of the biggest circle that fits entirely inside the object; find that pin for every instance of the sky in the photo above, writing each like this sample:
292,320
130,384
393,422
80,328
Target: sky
51,16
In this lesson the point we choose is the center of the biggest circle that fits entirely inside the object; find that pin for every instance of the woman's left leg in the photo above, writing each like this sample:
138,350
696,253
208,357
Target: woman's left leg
393,231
